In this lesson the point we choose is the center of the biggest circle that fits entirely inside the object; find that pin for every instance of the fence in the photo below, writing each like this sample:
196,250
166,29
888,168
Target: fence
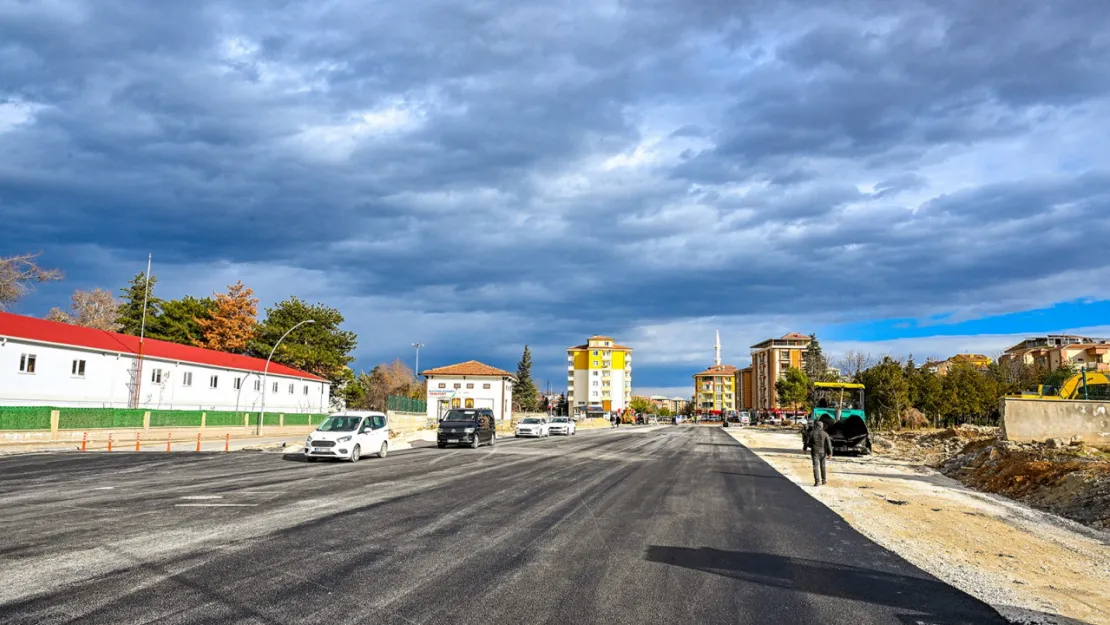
406,404
21,418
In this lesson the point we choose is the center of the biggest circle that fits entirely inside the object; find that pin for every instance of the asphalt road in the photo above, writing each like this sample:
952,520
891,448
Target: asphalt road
667,525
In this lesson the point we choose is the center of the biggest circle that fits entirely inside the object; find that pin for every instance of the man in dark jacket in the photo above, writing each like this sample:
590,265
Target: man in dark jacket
820,446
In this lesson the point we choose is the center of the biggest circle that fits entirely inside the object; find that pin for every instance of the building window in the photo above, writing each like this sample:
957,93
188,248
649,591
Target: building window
606,343
442,385
595,354
27,363
486,385
258,385
187,378
594,393
78,369
458,385
156,376
306,389
595,373
291,389
595,382
274,387
214,381
469,385
237,383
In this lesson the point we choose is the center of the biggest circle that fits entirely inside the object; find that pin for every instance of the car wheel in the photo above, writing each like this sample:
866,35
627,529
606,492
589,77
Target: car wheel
441,445
356,453
384,450
475,442
492,438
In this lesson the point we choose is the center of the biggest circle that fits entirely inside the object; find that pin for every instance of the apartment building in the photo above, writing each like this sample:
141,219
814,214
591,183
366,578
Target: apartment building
745,392
770,360
599,377
975,360
1056,350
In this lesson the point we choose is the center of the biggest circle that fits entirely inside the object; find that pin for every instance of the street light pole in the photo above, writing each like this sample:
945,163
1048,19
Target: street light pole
266,371
417,346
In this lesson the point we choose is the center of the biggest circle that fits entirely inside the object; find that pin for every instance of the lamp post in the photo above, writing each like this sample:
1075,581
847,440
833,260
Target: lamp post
266,371
417,346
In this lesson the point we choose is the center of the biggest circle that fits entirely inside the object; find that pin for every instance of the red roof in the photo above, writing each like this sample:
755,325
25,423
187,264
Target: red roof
598,347
470,367
717,370
32,329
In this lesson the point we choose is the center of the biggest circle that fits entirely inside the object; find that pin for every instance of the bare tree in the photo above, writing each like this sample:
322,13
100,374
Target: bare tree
852,362
91,309
17,273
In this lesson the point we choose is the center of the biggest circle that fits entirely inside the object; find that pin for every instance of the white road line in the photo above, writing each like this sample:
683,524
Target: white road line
261,492
203,497
214,505
104,488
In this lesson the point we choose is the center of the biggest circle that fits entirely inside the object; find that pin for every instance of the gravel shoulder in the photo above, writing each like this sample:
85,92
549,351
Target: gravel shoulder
1028,564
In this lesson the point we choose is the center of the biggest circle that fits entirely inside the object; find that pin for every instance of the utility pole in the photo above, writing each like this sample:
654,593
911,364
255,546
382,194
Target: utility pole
417,346
137,383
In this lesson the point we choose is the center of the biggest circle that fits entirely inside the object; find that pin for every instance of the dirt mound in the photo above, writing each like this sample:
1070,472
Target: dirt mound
1071,480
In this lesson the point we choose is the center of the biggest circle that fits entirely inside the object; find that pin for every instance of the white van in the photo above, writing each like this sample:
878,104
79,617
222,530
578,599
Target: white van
348,436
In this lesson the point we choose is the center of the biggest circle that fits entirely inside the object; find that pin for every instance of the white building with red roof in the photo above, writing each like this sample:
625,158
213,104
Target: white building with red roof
469,384
47,363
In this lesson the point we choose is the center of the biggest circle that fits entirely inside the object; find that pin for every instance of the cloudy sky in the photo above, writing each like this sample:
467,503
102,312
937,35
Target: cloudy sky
924,177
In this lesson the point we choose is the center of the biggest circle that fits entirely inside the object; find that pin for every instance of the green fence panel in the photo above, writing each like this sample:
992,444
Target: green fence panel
406,404
303,419
93,418
224,419
175,418
25,417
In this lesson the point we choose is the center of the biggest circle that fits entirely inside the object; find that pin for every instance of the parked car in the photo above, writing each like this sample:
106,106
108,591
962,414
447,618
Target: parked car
533,426
562,425
347,436
745,418
467,426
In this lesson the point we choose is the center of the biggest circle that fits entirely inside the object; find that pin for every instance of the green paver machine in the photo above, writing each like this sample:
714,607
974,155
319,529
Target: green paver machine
839,405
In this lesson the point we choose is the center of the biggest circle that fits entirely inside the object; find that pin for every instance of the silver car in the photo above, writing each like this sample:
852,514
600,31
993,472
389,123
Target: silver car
562,425
533,426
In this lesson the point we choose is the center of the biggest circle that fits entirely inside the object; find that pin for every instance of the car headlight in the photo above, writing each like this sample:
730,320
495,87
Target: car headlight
343,439
469,430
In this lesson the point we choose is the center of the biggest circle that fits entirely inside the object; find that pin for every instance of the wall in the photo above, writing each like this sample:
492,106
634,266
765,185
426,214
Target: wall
106,383
483,397
1042,419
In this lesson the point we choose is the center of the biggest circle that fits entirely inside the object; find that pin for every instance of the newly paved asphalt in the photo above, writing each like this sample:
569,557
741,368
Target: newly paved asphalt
670,525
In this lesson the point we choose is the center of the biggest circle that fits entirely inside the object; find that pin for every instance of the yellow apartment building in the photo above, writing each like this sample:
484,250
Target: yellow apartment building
599,377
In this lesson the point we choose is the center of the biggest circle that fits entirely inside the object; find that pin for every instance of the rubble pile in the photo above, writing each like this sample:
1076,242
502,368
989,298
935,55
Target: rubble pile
1066,478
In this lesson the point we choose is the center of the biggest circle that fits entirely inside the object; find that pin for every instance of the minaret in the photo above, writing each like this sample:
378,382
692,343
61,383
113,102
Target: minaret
717,350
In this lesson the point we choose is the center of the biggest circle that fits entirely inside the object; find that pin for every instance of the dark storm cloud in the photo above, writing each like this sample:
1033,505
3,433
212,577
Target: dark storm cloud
580,165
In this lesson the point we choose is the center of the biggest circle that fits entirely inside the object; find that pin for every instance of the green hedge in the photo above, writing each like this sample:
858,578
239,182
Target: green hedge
92,418
175,418
25,417
223,419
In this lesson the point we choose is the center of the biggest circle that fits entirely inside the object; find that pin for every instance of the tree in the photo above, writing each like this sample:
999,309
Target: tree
131,306
524,391
853,362
793,387
968,394
815,365
321,348
665,412
925,390
90,309
563,407
230,326
373,389
640,405
17,273
688,408
887,393
1057,377
179,321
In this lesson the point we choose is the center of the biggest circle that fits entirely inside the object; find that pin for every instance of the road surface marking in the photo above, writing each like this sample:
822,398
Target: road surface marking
214,505
203,497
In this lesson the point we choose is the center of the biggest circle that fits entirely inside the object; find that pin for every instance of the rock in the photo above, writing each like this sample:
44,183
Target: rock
1054,443
995,454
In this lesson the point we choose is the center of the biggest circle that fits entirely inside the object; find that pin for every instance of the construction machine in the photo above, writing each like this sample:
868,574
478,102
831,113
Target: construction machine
840,407
1083,385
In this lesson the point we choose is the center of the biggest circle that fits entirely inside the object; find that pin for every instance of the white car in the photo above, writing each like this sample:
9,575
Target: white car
533,426
562,425
745,418
349,436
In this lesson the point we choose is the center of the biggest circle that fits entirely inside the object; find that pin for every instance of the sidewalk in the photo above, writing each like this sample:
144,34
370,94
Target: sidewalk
1026,563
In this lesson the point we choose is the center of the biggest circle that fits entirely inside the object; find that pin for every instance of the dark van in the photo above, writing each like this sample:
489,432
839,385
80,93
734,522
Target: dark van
467,426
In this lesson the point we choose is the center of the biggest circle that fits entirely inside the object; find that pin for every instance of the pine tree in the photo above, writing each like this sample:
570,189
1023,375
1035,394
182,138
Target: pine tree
180,320
524,391
131,304
793,388
232,323
815,364
563,408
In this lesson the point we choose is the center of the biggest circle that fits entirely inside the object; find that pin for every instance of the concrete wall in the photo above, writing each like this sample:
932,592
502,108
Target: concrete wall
1042,419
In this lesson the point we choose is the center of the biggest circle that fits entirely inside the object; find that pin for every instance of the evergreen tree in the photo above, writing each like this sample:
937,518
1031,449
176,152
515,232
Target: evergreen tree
815,364
524,391
130,317
563,408
887,392
793,388
180,321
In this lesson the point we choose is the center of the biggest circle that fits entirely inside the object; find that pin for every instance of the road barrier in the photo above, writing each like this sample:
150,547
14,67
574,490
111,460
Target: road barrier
84,441
137,445
198,442
227,443
109,442
37,418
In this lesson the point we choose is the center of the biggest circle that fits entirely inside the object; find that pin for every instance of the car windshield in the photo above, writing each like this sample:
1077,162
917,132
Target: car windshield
461,415
560,420
531,421
339,424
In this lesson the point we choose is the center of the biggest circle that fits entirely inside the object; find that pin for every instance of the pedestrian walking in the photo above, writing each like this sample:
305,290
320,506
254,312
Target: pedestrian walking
820,446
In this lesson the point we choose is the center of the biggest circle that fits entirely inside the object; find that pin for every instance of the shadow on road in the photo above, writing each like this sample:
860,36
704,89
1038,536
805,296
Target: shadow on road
929,598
